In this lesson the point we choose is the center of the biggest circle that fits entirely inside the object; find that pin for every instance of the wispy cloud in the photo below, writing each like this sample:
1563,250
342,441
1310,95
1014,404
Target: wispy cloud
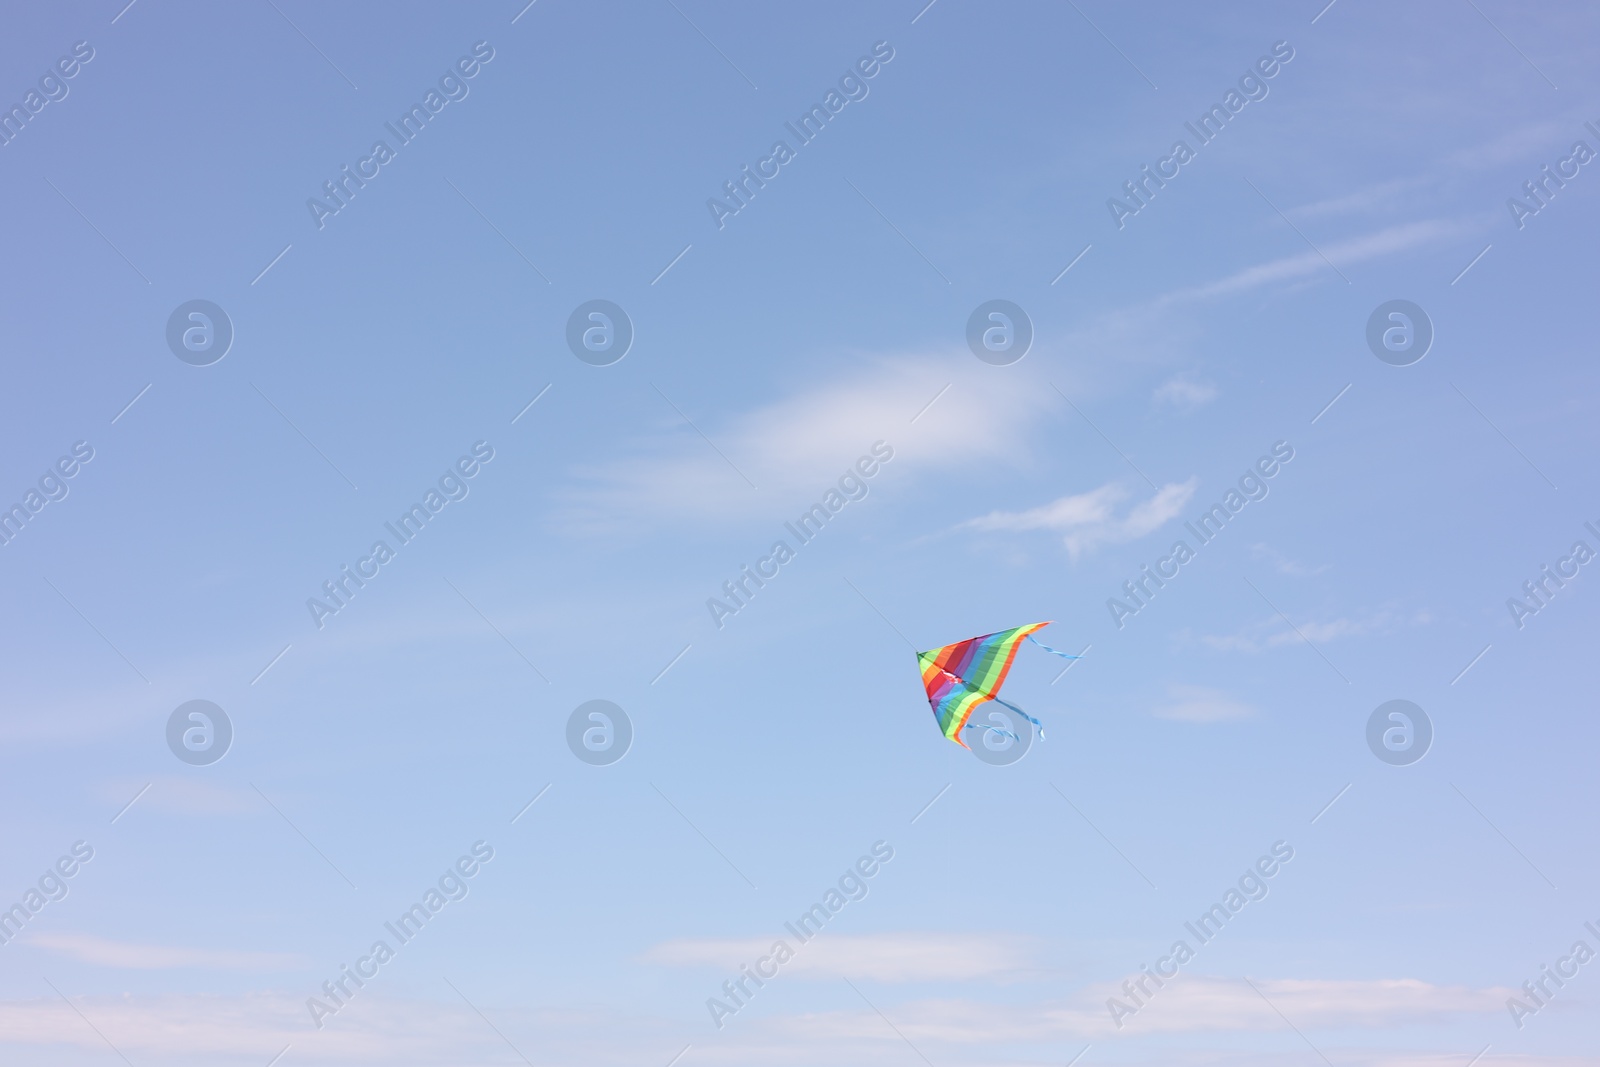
1386,242
1272,632
1223,1004
1181,392
1090,519
250,1028
794,448
1368,198
183,796
1523,141
1194,1004
1283,564
1193,703
905,957
383,1030
129,955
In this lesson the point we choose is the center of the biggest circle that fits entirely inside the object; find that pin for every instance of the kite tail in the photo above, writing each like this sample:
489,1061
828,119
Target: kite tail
1024,714
1050,650
995,729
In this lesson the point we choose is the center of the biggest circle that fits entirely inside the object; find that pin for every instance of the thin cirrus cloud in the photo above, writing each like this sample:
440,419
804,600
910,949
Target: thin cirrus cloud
1089,520
1208,1003
1273,632
1197,1004
243,1028
1377,196
1523,142
182,796
1185,394
387,1030
1193,703
128,955
936,412
1283,564
1386,242
905,957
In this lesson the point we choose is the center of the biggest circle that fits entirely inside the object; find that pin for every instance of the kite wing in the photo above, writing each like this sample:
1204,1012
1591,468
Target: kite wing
962,676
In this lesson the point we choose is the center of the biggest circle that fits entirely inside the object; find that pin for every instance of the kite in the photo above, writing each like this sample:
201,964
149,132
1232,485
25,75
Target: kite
962,676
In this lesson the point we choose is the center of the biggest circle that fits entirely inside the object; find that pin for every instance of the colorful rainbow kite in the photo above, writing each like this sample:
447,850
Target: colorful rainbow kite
962,676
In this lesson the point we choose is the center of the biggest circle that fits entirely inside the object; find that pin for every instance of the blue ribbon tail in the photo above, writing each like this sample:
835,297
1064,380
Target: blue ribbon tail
1050,650
1024,714
996,729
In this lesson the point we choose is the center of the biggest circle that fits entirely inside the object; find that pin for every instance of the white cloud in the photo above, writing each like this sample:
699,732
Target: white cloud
1089,519
1325,631
1192,1004
1272,632
1083,509
1385,242
1526,143
796,448
1530,142
181,796
128,955
1180,392
1366,198
1206,1003
1193,703
204,1029
907,957
201,1029
1283,564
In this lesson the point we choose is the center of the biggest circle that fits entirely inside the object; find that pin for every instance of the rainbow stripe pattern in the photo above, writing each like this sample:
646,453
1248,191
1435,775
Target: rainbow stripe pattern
962,676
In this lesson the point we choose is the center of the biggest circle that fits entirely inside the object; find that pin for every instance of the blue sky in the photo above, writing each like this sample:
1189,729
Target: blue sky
1225,318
